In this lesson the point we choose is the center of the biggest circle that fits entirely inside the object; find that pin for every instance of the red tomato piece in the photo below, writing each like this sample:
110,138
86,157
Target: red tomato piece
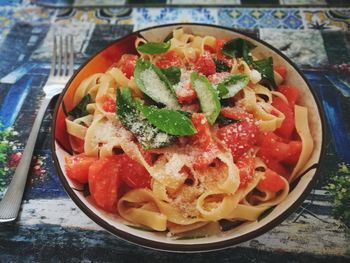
77,144
104,181
271,182
246,165
224,59
133,173
278,154
239,137
127,64
210,49
273,147
186,94
205,64
203,141
295,148
194,107
281,70
291,93
203,137
204,159
277,167
288,124
77,167
219,43
109,105
169,59
236,113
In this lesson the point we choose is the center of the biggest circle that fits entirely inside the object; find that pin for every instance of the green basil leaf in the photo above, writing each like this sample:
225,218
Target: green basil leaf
241,48
132,118
172,73
233,84
155,84
170,121
80,109
237,48
154,47
265,67
207,95
222,90
221,66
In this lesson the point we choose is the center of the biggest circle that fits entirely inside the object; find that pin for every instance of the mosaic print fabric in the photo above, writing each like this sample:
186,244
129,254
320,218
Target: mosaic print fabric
316,39
87,3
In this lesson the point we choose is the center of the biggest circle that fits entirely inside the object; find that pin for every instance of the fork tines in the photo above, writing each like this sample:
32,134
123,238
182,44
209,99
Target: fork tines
59,64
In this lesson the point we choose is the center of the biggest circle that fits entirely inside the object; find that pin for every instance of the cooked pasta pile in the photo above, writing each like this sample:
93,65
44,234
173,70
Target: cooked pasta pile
188,132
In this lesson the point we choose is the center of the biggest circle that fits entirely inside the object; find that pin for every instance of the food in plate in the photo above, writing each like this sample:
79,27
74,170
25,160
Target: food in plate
188,132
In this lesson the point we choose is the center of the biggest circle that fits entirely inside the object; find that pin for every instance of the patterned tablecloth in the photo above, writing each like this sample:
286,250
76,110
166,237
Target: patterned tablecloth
50,226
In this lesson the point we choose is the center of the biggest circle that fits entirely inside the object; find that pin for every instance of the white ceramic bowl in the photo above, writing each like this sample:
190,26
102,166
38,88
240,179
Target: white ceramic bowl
113,223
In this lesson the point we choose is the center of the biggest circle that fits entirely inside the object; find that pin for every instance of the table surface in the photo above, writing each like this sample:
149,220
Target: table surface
50,226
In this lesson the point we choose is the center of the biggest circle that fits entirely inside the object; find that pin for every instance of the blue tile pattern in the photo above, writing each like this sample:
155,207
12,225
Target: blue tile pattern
260,18
144,17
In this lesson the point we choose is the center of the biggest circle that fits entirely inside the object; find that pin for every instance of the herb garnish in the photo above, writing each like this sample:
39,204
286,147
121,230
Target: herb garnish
132,118
173,74
154,47
80,109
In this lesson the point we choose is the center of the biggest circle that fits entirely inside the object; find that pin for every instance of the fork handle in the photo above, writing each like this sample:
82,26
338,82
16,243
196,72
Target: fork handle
11,202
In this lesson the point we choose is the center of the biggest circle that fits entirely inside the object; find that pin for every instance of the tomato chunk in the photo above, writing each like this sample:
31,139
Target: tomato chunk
281,70
104,181
236,113
133,173
279,154
127,64
291,93
277,167
77,167
239,137
205,64
288,123
76,143
273,147
108,104
295,148
271,182
203,137
186,94
246,165
171,58
210,49
203,142
219,43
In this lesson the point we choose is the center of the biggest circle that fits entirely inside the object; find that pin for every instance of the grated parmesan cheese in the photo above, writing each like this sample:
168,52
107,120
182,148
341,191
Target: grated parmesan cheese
157,89
104,132
174,165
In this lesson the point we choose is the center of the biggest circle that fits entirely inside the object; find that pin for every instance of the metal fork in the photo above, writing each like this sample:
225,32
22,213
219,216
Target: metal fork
62,67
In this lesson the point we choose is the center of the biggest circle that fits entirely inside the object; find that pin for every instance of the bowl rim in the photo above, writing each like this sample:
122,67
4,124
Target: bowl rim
202,247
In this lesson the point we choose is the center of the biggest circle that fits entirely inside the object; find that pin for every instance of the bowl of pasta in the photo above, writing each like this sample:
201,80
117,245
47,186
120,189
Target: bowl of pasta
188,137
